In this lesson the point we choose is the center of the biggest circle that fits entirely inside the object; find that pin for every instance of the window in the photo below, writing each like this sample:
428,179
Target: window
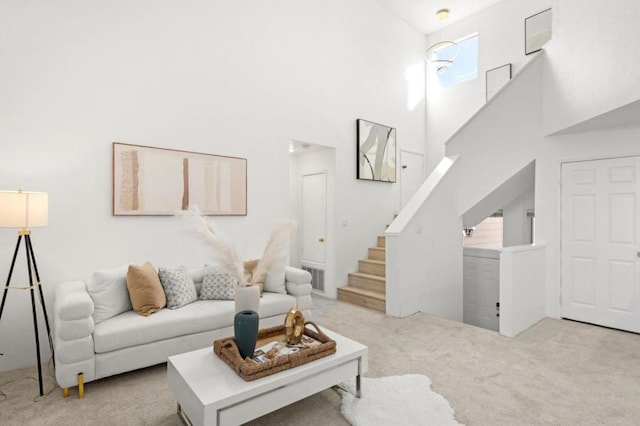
465,65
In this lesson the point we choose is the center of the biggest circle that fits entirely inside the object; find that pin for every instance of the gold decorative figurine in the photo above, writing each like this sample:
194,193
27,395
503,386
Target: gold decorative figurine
294,326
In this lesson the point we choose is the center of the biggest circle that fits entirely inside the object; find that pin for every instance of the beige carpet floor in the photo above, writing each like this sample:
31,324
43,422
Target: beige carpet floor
555,373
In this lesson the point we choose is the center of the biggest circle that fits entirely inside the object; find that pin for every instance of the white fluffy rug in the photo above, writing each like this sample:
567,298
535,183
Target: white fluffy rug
399,400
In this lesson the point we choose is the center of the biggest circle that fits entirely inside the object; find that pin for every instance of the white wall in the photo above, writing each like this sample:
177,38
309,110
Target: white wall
593,61
230,78
423,275
500,31
516,223
522,289
500,142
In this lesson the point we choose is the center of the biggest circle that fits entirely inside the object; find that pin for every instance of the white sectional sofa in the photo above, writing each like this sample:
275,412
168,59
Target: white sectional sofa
128,341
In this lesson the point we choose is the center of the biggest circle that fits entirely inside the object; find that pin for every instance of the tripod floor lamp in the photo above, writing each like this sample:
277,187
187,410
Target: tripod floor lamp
23,210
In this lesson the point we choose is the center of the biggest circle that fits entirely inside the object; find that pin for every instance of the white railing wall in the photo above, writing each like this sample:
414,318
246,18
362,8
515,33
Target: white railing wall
522,287
424,243
417,279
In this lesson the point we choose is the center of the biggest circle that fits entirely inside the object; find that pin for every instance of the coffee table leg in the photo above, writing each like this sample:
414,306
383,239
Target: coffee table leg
183,416
358,392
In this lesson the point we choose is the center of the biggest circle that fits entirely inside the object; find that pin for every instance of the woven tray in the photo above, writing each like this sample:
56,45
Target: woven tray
249,369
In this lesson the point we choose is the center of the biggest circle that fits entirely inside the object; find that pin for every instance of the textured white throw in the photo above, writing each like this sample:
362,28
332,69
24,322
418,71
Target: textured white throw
396,400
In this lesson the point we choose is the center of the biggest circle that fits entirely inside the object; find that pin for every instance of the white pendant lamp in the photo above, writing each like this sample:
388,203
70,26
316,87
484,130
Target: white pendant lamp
442,53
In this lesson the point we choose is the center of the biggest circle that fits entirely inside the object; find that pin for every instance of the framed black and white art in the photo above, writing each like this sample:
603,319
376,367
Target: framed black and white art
376,151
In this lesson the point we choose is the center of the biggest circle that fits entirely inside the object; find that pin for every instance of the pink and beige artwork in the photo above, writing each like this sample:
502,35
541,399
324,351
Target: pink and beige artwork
159,181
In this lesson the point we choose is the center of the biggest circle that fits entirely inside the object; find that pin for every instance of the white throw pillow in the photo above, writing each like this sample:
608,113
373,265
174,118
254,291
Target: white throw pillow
274,281
108,290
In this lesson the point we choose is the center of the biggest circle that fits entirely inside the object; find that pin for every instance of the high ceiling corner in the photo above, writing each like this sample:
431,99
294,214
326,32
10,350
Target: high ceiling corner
421,14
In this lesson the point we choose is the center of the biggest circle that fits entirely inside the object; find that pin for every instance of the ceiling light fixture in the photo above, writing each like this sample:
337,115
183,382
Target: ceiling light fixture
442,53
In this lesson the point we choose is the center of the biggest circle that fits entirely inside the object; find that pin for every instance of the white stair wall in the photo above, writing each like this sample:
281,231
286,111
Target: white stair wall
424,243
593,61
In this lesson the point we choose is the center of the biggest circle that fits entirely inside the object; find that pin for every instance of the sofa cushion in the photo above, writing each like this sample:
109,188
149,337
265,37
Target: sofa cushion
129,329
145,289
217,285
274,281
108,290
197,274
178,285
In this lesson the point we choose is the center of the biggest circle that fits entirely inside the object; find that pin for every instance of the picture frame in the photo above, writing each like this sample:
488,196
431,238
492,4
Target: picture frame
151,181
376,147
495,78
537,31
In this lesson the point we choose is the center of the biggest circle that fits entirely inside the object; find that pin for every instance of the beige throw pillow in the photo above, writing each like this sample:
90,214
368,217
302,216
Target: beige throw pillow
145,290
249,269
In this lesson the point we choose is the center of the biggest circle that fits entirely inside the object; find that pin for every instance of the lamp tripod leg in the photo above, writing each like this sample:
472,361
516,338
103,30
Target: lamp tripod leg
35,318
44,308
6,287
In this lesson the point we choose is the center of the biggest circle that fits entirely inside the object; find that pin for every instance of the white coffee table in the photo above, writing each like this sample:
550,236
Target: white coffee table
209,392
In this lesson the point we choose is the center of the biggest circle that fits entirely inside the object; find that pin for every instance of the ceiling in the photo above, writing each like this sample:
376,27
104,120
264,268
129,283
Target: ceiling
421,14
299,148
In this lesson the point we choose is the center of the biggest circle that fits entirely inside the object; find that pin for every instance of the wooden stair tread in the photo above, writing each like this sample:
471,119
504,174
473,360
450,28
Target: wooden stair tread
368,276
374,262
363,292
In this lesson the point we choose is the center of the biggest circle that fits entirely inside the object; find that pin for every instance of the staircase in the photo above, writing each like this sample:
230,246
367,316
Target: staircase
367,287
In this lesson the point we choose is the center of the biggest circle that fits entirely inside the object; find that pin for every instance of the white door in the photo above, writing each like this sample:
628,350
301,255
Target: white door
314,220
601,242
411,174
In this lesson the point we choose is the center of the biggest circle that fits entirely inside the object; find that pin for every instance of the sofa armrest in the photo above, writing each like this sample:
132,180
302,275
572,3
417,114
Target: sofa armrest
298,284
73,333
297,275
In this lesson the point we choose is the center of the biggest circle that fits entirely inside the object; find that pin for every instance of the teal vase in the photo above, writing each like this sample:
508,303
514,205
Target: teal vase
245,329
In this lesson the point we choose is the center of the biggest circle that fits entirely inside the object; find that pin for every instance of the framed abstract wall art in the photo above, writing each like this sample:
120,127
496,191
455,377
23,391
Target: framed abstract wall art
376,151
496,78
160,181
537,31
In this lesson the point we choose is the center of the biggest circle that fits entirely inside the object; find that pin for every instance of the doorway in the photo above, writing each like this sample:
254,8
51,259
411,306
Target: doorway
312,195
411,174
313,251
600,238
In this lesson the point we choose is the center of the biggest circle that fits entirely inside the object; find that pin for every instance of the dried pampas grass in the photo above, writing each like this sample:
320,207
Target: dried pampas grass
276,249
224,252
226,255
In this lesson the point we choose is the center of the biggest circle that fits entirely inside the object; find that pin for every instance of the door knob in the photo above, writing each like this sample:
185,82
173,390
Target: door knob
322,241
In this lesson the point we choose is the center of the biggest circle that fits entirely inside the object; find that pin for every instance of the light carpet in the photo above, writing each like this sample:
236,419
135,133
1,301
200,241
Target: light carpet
555,373
402,400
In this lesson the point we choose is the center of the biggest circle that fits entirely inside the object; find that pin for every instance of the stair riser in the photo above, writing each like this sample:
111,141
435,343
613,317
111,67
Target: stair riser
367,283
372,268
376,254
381,242
367,302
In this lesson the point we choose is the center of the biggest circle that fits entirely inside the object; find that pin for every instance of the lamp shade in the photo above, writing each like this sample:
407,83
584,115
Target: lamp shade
21,209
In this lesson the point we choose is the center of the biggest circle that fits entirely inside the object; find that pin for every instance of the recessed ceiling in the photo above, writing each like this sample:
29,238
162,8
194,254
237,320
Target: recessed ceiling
298,147
421,14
